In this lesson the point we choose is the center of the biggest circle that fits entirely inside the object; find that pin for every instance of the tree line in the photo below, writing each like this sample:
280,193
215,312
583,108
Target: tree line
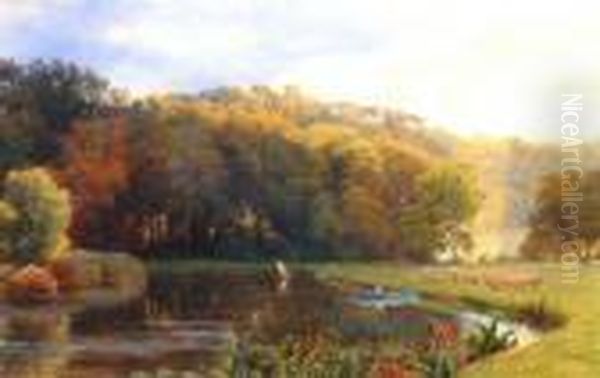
245,173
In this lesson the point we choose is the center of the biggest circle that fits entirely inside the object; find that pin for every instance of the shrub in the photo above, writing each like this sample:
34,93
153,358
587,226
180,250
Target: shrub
32,284
76,272
121,271
84,270
539,315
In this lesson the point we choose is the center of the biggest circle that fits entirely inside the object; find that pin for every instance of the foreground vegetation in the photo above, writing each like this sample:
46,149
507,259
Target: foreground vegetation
566,314
570,350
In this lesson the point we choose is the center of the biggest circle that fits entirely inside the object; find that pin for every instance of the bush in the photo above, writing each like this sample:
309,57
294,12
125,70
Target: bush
121,271
32,284
76,272
540,245
85,270
541,316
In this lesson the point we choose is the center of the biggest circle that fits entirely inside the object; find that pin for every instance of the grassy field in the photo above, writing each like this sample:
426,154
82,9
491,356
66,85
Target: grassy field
572,350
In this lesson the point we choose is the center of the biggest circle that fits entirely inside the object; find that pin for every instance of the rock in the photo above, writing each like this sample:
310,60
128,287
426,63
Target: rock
32,284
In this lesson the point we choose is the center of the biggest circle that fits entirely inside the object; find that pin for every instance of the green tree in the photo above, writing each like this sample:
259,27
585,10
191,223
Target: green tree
548,224
448,199
44,212
47,96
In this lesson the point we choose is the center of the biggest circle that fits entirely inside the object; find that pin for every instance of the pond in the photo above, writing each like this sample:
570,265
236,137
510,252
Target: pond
186,323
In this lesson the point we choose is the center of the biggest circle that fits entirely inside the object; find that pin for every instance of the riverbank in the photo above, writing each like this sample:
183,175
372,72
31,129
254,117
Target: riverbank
83,276
530,292
570,350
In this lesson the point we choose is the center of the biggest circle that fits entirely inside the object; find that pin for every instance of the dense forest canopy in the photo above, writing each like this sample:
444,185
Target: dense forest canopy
255,172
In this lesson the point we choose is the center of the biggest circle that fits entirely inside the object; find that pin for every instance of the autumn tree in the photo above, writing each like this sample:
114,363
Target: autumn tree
95,170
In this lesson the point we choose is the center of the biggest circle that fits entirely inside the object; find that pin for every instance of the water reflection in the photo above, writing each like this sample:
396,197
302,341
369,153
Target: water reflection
34,343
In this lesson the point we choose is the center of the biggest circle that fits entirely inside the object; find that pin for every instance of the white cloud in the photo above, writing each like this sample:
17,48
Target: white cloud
479,67
12,12
16,13
182,33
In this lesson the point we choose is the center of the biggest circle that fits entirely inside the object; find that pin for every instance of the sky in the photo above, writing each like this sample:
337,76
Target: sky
495,67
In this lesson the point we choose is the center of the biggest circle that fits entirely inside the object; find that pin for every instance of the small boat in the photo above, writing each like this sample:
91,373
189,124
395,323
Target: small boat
379,298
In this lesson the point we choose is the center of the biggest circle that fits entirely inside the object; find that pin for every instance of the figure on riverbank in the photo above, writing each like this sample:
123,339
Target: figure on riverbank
279,275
